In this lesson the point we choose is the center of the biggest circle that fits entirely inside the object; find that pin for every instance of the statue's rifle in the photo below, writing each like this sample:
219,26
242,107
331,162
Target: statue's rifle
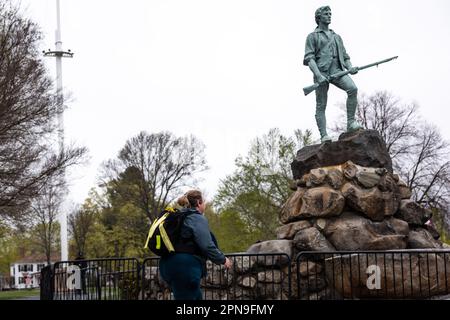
310,89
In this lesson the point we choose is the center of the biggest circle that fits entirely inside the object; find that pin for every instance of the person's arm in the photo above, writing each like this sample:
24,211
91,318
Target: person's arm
309,59
202,237
320,78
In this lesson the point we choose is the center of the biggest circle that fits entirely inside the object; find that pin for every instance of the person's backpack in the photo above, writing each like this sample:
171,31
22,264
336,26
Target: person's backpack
164,233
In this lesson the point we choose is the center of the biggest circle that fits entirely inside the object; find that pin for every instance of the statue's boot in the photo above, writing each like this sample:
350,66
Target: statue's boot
322,124
352,124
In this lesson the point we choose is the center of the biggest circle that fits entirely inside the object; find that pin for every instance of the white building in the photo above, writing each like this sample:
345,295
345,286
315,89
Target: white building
27,272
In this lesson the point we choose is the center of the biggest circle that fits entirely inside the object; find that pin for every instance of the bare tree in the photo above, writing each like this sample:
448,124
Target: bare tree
426,168
419,153
81,221
27,116
396,122
44,212
156,165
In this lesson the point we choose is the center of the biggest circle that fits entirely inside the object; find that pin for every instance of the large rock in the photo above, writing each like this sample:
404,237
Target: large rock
405,192
316,177
321,202
248,282
312,203
288,231
374,203
422,239
291,209
413,213
311,240
335,177
368,179
399,226
276,252
216,276
308,268
353,232
270,276
389,184
244,264
303,287
400,275
364,147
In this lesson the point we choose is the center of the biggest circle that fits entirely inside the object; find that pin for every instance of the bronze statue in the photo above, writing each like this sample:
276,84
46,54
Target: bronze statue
325,55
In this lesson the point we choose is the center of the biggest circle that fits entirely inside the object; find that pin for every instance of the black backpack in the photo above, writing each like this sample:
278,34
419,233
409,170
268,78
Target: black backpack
164,234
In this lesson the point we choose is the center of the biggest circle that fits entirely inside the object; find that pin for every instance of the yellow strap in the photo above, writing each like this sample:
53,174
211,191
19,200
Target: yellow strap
165,238
158,242
155,224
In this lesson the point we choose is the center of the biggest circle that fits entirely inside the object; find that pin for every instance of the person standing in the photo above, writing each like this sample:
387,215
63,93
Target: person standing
183,269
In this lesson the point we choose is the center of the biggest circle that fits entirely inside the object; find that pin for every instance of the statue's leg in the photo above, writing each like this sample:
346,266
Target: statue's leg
346,83
321,105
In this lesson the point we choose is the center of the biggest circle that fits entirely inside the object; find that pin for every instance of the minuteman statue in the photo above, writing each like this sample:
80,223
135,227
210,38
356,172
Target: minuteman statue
325,55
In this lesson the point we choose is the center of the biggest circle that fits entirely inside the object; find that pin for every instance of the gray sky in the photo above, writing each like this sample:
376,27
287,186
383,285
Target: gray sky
228,71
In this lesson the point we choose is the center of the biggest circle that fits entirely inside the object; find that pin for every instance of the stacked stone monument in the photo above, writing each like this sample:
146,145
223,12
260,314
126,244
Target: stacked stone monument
347,198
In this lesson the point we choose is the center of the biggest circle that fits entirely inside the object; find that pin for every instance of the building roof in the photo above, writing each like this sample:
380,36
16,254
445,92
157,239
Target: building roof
37,258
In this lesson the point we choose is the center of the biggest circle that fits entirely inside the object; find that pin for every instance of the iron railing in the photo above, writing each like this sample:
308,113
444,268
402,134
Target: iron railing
253,276
397,274
99,279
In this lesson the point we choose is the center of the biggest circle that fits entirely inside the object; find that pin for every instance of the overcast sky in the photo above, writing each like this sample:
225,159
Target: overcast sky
228,71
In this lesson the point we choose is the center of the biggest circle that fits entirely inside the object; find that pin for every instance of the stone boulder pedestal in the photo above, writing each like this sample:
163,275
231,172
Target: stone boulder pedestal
364,147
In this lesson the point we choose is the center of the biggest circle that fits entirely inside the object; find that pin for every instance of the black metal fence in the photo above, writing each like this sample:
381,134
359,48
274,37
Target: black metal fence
253,276
99,279
403,274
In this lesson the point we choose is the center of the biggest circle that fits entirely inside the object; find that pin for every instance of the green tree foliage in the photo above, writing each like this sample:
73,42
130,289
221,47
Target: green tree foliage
49,247
8,249
260,186
81,222
232,233
117,226
19,242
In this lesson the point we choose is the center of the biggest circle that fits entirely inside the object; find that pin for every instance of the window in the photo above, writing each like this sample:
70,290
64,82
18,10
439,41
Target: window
40,266
25,267
21,280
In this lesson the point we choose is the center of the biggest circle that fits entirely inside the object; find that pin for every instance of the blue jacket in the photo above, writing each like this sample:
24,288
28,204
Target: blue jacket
196,229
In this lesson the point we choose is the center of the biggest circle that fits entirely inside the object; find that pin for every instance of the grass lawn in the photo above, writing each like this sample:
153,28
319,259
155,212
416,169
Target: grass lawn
17,294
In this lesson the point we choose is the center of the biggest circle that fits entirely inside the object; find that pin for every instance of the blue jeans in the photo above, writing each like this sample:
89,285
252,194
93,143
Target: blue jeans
182,272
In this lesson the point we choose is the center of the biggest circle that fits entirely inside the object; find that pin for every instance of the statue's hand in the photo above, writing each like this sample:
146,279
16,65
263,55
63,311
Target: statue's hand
321,79
354,70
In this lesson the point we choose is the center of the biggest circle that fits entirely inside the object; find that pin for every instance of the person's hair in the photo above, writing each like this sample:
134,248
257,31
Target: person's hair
320,11
191,199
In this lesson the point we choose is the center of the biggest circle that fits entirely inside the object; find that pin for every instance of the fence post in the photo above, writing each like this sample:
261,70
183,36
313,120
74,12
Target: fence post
46,283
